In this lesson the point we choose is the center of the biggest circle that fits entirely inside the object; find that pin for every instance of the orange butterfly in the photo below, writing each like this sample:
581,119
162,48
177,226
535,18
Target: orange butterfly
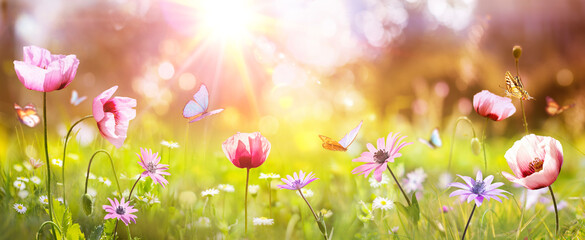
553,108
515,88
342,145
27,115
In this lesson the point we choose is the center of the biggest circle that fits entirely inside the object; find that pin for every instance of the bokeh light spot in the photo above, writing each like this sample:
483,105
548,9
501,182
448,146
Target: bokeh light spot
565,77
187,81
166,70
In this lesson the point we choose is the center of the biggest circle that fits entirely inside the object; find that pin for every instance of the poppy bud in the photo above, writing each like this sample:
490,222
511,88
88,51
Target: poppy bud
87,203
517,51
475,146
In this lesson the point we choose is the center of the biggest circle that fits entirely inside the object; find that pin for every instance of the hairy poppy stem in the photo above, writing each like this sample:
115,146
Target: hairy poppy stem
487,120
524,117
453,136
468,221
556,210
269,181
113,170
246,201
397,183
48,163
65,151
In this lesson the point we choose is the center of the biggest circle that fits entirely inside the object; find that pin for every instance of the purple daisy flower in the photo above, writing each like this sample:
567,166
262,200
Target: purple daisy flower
478,189
150,162
120,210
298,181
377,158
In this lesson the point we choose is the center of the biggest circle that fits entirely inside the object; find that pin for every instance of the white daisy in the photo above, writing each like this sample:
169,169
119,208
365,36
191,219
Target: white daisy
91,176
23,194
414,180
253,189
375,184
382,203
57,162
263,221
44,200
169,144
306,192
141,198
210,192
19,185
326,213
19,208
226,187
60,199
151,198
36,180
23,179
18,168
269,176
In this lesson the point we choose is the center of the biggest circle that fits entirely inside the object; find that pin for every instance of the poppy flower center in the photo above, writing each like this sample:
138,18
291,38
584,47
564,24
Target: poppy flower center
120,210
478,187
381,155
536,165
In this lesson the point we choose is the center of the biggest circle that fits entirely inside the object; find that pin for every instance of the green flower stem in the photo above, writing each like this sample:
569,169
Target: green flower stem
48,163
524,117
269,181
312,211
453,135
113,170
397,183
133,186
246,201
54,225
468,221
556,210
65,151
487,120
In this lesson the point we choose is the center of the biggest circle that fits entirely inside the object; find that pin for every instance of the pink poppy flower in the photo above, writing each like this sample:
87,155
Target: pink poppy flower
535,161
120,210
493,106
246,150
45,72
113,115
150,162
377,159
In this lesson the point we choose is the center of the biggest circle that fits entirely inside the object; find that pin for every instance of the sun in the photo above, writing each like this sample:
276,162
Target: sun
227,19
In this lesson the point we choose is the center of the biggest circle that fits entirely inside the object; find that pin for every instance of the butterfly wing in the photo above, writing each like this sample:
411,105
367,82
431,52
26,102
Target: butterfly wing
515,88
27,115
350,137
197,118
553,108
75,99
436,138
192,109
202,97
331,144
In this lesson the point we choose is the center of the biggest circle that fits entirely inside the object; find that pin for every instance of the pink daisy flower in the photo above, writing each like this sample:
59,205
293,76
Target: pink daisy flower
150,162
377,158
120,210
297,181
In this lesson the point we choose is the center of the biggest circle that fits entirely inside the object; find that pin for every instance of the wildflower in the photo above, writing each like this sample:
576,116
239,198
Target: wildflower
20,208
226,187
210,192
394,229
44,200
19,185
60,199
43,71
151,198
246,150
414,180
382,203
269,176
306,192
562,204
478,189
377,159
57,162
23,194
263,221
535,161
35,163
18,167
326,213
151,164
113,115
444,180
120,210
170,144
203,222
141,198
253,189
446,209
105,180
375,184
23,179
298,181
493,106
36,180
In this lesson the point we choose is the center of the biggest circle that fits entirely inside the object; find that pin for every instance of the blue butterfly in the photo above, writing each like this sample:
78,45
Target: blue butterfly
435,141
196,109
75,99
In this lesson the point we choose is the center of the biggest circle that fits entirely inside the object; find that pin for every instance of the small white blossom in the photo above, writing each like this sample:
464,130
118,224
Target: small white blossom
306,192
203,222
57,162
20,208
210,192
18,168
36,180
170,144
23,179
19,185
253,189
375,184
23,194
326,213
269,176
382,203
226,187
263,221
44,200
